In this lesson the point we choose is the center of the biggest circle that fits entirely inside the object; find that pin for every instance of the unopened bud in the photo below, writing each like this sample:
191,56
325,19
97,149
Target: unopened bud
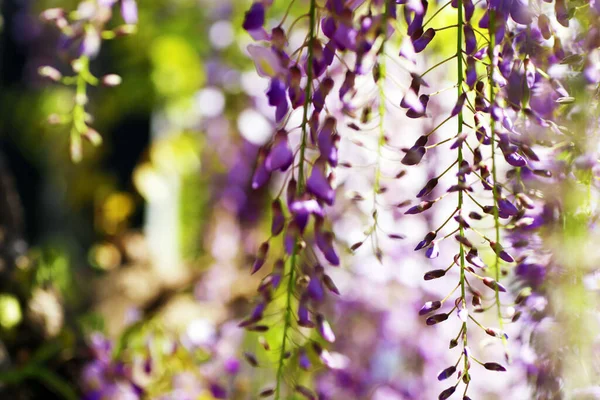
81,99
93,136
125,30
50,73
111,80
77,65
52,14
54,119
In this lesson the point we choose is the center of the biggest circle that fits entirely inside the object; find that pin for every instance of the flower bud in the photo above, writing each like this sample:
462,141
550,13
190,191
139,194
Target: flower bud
111,80
325,329
50,72
55,119
447,393
266,392
251,359
446,373
93,137
52,14
434,274
492,366
436,319
261,257
429,307
492,284
125,30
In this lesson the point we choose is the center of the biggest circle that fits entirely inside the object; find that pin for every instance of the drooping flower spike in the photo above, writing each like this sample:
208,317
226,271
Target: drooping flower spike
82,32
503,53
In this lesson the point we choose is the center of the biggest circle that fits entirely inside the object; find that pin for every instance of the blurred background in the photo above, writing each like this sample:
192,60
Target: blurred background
121,240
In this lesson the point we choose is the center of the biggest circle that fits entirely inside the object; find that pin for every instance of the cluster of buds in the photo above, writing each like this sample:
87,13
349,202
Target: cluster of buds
517,90
514,45
82,32
303,79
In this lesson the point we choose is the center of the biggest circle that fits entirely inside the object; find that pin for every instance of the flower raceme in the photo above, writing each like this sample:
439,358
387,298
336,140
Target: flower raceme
503,52
304,79
82,32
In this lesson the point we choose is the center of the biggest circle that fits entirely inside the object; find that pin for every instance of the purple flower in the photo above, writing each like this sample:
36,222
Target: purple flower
321,93
471,74
515,159
415,26
327,141
414,155
318,184
90,45
469,9
411,101
314,290
280,157
218,391
261,174
302,209
506,208
328,27
324,242
129,11
407,50
348,84
430,306
303,360
426,241
520,12
433,251
303,316
459,104
421,43
267,62
325,329
562,12
278,98
232,366
291,234
470,40
545,26
255,17
591,70
414,112
532,273
278,220
345,37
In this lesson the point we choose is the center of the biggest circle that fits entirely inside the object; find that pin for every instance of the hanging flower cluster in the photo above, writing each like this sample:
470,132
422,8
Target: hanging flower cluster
513,67
82,32
304,78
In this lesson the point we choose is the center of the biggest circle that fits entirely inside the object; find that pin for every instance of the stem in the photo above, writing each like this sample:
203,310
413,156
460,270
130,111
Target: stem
79,126
308,93
299,191
463,291
381,85
381,140
439,10
438,64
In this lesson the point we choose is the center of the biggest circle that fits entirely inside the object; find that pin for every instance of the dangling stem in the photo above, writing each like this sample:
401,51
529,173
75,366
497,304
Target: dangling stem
463,291
299,191
381,87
